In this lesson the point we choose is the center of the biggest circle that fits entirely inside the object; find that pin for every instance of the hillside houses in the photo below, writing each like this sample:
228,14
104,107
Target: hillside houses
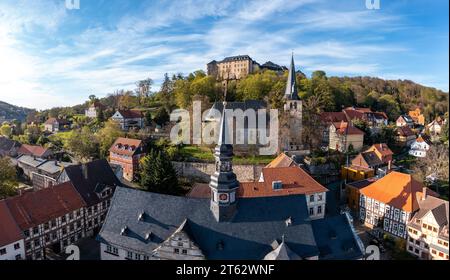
129,119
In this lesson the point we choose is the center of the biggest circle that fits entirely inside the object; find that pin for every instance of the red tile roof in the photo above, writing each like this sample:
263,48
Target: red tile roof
34,208
131,114
345,128
9,230
32,150
60,121
126,146
294,181
397,189
330,117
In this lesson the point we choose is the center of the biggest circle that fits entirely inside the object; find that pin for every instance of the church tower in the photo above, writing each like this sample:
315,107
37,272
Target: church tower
291,139
224,183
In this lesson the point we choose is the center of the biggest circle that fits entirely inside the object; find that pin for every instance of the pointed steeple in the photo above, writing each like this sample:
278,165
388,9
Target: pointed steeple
291,84
223,183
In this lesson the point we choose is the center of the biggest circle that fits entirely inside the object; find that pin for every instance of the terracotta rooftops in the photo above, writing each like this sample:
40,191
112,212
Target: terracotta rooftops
34,208
382,148
9,231
131,114
345,128
32,150
282,160
126,146
294,181
397,189
54,120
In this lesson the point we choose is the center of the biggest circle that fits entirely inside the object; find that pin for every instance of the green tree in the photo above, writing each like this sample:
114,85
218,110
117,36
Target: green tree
162,117
364,126
107,136
83,144
148,118
6,130
157,173
8,178
388,104
100,115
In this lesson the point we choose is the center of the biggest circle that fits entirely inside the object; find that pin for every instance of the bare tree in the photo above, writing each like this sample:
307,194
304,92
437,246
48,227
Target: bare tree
434,165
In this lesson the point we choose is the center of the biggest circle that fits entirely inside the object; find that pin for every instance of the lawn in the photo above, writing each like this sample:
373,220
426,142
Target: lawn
205,154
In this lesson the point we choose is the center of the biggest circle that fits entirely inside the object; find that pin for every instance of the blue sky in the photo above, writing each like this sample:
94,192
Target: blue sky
52,56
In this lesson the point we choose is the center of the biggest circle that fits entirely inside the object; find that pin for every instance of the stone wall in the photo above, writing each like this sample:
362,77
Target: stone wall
202,171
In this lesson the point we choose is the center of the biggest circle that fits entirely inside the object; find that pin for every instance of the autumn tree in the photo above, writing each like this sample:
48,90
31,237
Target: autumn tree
435,164
83,144
107,135
8,178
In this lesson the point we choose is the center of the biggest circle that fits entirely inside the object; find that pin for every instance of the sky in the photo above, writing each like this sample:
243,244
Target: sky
53,56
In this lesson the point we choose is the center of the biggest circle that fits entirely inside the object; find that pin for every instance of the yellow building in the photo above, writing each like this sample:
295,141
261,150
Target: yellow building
233,67
417,116
356,173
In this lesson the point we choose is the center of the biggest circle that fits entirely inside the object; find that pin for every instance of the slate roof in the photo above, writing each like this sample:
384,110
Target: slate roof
282,252
98,172
6,145
31,161
257,223
371,158
440,210
9,230
235,58
335,239
53,166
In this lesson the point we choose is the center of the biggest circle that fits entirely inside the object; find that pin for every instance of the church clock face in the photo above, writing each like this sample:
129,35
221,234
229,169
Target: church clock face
223,197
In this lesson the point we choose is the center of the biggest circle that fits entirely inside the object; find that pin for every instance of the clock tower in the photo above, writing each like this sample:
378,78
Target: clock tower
223,184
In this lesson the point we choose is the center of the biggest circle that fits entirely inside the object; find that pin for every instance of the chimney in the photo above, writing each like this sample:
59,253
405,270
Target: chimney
84,170
424,193
389,166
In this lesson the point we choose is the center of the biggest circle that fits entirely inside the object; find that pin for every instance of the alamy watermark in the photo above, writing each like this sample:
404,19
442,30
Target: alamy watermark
247,127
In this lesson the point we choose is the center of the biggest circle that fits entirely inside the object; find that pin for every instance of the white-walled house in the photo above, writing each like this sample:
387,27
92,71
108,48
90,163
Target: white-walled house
129,119
390,202
420,147
428,230
11,237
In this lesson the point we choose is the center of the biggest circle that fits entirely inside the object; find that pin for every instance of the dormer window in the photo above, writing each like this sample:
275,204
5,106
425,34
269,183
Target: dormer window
141,216
148,236
288,221
124,230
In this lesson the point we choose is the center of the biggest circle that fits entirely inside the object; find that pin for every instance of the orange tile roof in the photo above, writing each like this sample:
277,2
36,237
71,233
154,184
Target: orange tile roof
282,160
397,189
382,148
345,129
294,180
125,146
